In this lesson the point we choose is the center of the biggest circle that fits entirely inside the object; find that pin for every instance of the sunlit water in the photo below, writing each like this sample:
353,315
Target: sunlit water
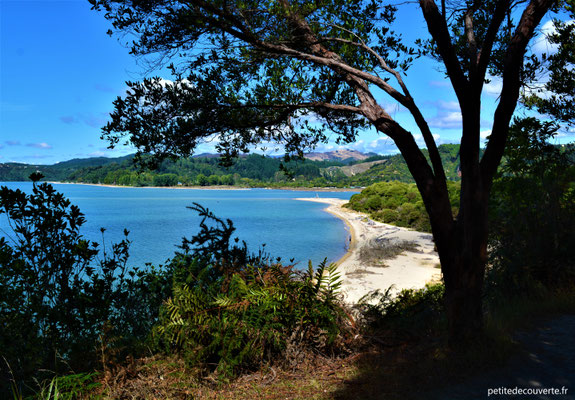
158,219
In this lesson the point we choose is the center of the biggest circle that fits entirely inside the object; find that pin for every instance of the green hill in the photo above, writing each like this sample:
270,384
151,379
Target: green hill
251,171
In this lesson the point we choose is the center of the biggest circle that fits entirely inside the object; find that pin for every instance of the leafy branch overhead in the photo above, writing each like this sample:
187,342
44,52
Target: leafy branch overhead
293,72
253,72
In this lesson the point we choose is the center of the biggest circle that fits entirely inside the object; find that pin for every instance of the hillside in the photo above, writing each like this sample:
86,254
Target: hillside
56,172
391,168
343,155
351,169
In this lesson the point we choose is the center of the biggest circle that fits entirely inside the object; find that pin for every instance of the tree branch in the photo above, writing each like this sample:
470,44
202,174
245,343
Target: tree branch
529,21
440,32
297,106
484,55
409,103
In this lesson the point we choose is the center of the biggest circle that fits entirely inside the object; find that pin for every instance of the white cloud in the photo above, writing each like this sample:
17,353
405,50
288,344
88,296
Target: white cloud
381,145
446,120
421,142
485,133
448,105
183,82
541,43
41,145
493,88
94,120
393,108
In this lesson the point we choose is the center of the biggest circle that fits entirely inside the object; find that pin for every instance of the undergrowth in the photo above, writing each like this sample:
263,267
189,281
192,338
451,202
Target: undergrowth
231,311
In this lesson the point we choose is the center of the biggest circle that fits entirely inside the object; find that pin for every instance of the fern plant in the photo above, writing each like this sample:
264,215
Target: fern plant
232,315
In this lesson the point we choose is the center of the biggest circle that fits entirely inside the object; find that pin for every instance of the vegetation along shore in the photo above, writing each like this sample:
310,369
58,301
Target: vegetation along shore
459,282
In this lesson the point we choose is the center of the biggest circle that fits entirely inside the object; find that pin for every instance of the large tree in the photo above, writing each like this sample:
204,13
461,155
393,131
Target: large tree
251,72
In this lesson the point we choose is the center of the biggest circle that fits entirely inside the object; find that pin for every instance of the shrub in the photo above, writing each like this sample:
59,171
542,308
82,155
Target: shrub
413,312
373,202
231,311
60,300
532,214
374,252
399,204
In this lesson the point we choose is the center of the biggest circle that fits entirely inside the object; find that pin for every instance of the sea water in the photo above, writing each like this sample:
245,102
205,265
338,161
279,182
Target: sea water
158,219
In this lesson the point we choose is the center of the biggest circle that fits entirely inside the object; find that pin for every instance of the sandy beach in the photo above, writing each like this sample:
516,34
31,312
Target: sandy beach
413,268
215,187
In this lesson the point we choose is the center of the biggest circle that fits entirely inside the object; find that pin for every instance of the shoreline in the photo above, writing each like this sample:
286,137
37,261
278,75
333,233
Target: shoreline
216,187
411,269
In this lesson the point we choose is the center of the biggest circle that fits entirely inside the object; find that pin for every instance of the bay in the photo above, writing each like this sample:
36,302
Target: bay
158,218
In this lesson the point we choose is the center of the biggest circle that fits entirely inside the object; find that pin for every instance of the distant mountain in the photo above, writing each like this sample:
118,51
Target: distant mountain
351,170
342,168
339,155
55,172
206,155
90,162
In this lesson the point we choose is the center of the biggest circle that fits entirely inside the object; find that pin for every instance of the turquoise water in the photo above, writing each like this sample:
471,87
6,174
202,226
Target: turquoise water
158,219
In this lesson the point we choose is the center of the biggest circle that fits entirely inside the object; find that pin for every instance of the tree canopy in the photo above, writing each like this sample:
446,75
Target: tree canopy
296,72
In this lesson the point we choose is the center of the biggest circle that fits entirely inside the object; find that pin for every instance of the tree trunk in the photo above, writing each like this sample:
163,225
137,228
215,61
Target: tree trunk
463,293
462,248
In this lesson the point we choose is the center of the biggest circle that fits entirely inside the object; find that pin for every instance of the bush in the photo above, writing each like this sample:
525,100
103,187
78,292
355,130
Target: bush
373,202
62,304
412,312
532,214
374,252
231,311
399,204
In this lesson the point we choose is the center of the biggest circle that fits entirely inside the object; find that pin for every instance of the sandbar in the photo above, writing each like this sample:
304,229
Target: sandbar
216,187
411,269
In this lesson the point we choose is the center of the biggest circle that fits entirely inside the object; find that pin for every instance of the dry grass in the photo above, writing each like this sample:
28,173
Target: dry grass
163,378
376,251
385,366
382,370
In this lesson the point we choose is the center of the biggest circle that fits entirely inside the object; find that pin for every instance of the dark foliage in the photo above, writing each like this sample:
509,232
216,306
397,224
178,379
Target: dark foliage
65,305
407,315
533,212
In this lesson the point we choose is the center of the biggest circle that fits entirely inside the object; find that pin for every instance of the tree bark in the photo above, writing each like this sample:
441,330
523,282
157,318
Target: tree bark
463,263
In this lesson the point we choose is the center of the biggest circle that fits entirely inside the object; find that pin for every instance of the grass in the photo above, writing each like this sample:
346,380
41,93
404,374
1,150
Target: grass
385,364
375,251
161,378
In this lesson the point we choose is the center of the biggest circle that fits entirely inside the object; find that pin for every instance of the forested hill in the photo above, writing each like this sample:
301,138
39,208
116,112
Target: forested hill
252,170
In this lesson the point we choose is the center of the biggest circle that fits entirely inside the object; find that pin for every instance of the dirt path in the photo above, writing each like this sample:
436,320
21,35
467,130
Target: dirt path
547,362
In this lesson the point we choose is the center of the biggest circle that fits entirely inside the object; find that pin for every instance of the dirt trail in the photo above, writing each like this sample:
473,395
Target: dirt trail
547,361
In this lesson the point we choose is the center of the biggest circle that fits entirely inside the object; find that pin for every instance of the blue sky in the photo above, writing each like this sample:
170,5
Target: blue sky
60,72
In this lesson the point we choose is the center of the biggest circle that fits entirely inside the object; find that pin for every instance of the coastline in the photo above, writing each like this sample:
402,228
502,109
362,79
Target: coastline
411,269
216,187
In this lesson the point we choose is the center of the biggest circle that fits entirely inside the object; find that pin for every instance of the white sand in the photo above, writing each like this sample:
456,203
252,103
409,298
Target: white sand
411,269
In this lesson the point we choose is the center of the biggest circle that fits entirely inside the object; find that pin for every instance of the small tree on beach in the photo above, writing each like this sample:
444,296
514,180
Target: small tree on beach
253,72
